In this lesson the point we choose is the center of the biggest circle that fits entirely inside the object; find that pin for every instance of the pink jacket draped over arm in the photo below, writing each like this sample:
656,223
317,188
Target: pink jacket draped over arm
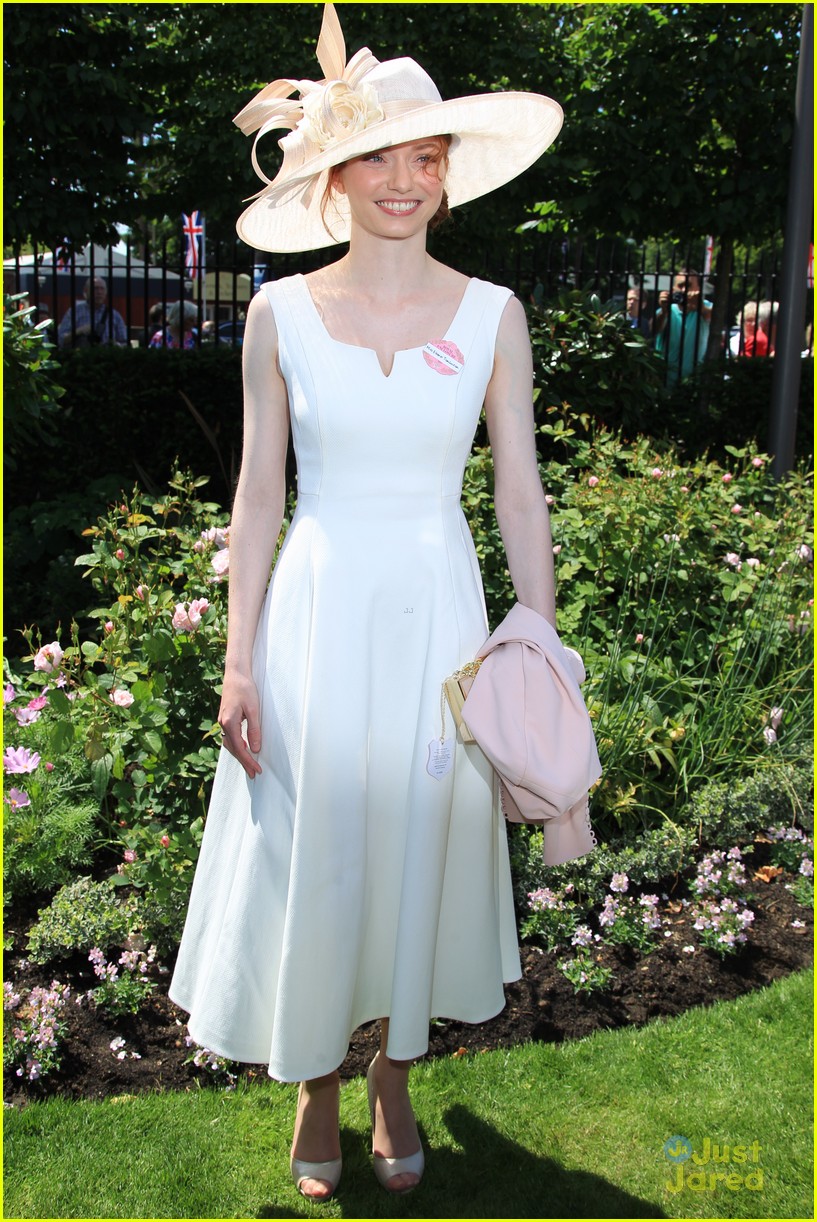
526,712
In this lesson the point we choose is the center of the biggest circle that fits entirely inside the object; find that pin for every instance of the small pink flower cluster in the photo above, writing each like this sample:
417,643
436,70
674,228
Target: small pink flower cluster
720,873
544,899
188,619
620,909
722,925
584,936
121,697
133,961
205,1058
35,1039
793,849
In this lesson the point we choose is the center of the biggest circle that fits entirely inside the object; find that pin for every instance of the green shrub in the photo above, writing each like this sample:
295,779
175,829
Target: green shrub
40,544
141,696
30,392
50,817
656,856
595,362
687,589
82,915
713,411
723,813
129,402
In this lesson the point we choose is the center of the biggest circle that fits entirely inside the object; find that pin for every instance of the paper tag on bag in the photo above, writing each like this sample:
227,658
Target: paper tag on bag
440,757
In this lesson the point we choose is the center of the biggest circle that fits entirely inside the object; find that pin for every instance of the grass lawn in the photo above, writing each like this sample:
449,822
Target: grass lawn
569,1131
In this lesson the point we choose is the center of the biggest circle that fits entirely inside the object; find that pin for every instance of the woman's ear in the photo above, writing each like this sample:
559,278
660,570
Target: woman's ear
336,180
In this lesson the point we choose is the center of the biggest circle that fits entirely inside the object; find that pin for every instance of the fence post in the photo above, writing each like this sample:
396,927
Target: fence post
790,331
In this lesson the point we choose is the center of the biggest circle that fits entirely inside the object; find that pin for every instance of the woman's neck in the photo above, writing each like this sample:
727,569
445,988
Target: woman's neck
386,268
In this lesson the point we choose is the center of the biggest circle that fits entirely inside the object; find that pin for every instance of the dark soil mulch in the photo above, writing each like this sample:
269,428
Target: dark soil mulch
541,1007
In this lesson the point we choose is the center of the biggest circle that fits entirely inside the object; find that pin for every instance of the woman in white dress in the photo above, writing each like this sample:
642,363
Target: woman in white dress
354,863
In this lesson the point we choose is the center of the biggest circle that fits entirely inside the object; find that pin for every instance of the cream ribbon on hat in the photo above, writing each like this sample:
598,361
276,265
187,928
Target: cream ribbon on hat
323,105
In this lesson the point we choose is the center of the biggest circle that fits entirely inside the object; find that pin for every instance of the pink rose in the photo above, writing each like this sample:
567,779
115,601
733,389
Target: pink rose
221,562
737,508
185,620
557,547
49,767
48,657
181,621
197,609
726,479
684,488
140,592
122,697
119,553
757,461
129,855
164,841
656,473
549,500
592,481
109,625
639,637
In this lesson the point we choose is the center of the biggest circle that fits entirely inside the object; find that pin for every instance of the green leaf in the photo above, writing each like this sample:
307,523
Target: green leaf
62,735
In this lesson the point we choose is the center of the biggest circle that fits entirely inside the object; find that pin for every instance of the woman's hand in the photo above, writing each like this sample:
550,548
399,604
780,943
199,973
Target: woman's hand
239,703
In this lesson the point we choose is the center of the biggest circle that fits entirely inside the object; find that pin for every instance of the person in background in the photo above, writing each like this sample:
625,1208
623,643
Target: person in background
180,331
767,324
637,313
92,321
682,326
751,340
156,321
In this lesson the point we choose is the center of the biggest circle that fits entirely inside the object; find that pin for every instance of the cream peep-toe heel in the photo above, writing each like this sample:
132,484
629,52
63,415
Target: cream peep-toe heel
386,1169
328,1172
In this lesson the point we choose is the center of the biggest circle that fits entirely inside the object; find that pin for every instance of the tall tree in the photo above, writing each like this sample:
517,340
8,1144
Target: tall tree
73,111
680,123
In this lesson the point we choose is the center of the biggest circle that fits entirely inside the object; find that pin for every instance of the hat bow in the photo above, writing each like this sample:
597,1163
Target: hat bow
328,110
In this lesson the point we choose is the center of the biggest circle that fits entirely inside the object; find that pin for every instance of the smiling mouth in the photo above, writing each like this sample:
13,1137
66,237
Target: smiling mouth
398,207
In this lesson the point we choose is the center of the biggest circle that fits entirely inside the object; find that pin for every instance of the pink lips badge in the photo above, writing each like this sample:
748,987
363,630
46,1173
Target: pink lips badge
443,356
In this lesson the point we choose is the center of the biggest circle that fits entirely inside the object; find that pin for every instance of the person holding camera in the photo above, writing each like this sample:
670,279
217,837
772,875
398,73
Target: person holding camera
682,326
85,324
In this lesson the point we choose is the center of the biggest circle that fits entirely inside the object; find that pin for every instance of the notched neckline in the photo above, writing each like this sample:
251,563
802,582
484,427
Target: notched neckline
364,348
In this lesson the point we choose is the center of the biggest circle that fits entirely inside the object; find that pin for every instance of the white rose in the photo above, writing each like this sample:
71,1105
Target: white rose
334,111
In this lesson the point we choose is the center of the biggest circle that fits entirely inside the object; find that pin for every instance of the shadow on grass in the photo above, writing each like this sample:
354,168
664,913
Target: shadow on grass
487,1177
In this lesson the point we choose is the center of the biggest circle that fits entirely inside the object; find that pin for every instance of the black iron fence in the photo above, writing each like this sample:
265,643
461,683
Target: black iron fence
137,295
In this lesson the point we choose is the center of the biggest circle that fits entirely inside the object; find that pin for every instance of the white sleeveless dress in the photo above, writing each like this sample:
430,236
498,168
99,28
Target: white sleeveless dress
346,883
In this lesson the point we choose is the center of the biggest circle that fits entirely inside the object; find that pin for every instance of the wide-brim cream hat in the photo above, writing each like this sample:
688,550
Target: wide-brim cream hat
367,105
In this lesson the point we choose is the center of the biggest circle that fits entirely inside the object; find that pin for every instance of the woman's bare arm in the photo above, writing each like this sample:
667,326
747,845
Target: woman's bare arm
521,510
258,512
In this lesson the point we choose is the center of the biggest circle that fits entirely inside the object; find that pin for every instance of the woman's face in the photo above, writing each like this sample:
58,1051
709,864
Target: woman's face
395,191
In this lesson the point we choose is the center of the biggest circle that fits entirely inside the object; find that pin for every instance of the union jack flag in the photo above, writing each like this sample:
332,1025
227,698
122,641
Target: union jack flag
193,230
